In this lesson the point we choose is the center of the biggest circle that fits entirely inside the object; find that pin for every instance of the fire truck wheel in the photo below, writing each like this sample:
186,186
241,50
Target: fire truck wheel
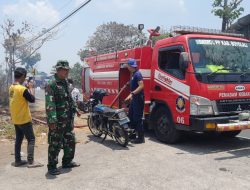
164,127
230,134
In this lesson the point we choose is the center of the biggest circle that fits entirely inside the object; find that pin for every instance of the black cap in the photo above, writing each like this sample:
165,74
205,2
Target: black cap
19,72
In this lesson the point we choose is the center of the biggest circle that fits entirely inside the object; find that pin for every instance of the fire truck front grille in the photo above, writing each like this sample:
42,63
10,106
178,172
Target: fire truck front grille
233,105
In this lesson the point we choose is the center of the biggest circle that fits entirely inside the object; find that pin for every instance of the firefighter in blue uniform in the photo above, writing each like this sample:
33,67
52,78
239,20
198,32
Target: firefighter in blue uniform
136,99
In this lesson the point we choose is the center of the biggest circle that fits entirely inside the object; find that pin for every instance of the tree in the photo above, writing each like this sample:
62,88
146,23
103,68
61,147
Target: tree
3,87
164,34
43,74
111,36
53,70
30,61
228,10
27,56
75,74
83,53
18,48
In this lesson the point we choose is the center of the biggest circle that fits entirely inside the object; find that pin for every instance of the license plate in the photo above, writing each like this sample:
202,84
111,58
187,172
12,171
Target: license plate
124,120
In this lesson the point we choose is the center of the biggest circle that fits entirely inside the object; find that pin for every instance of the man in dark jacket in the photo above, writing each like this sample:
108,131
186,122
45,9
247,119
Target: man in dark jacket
136,98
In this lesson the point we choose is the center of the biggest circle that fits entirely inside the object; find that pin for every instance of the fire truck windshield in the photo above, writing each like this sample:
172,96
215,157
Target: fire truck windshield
218,60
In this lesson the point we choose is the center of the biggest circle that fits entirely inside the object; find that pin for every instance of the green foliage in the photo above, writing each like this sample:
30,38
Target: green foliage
75,74
227,10
111,36
30,61
43,73
12,39
162,36
83,53
16,47
53,70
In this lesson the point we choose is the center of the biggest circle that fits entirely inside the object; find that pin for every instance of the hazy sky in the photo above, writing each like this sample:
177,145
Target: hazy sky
74,33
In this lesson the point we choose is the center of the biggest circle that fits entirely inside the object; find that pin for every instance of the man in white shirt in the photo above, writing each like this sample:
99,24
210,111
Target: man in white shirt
75,93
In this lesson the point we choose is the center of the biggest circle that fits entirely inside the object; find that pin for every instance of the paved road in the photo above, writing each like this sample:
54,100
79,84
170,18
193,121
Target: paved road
40,94
245,134
199,162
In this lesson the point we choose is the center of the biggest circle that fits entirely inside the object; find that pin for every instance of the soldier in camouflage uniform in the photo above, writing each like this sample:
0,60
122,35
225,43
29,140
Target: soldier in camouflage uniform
60,110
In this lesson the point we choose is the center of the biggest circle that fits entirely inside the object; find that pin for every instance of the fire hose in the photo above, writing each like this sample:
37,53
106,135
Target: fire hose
117,96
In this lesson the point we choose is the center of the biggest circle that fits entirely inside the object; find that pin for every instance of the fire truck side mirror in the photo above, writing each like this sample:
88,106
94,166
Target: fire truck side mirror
184,61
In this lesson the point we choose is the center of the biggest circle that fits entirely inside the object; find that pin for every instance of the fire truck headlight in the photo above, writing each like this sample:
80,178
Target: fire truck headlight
200,106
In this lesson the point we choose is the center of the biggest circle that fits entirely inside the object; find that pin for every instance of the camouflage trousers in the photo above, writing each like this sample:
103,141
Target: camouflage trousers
62,137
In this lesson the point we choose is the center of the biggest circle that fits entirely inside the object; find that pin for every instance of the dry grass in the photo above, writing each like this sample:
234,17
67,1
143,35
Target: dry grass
7,131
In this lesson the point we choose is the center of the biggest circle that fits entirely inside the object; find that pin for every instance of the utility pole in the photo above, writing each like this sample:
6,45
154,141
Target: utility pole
13,62
12,55
7,70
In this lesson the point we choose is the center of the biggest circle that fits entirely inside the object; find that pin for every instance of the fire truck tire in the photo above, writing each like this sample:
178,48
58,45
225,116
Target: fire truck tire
164,127
230,134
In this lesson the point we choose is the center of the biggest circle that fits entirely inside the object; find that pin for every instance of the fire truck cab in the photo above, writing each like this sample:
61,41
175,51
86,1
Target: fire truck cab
198,80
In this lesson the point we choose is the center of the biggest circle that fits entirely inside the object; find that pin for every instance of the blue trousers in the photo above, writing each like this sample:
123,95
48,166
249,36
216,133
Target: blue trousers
135,113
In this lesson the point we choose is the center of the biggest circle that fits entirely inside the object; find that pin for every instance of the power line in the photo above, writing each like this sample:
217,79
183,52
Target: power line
59,10
60,22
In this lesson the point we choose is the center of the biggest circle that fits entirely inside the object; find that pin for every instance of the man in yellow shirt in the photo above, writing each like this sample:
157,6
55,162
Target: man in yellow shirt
19,96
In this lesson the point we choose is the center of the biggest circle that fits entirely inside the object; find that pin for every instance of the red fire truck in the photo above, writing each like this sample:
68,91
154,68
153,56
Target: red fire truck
197,80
